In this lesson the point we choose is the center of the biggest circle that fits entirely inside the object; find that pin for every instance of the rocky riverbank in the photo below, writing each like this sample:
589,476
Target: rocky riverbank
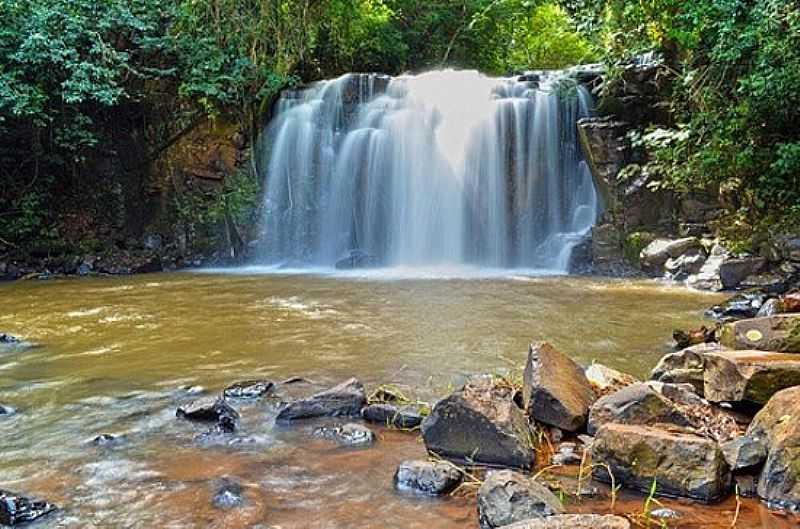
715,420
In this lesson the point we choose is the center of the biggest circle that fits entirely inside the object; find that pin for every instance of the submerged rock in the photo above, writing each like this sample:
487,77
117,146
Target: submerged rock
480,423
208,409
6,410
749,376
507,497
343,400
228,494
605,380
555,389
574,521
350,434
391,415
107,440
250,389
683,464
426,477
9,342
16,509
775,333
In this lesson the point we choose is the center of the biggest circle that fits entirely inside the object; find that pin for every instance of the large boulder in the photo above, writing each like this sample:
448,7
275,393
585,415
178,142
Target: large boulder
774,333
681,463
506,497
749,376
681,267
708,277
686,366
734,270
555,389
344,400
392,415
655,255
17,510
573,521
427,477
480,423
777,426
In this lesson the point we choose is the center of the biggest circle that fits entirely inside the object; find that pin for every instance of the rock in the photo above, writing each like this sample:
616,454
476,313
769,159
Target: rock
6,410
744,452
741,306
685,339
208,409
555,389
228,494
656,402
250,389
357,259
573,521
386,394
605,380
12,343
791,302
391,415
749,376
107,439
708,277
683,464
426,477
17,510
746,485
665,514
556,434
685,367
778,423
681,267
480,423
733,271
656,254
771,307
775,333
507,497
350,434
566,455
344,400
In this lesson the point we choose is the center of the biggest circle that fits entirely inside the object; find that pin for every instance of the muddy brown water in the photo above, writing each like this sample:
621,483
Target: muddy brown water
118,355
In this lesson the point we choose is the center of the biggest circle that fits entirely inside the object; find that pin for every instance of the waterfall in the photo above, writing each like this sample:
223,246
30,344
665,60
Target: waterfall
445,167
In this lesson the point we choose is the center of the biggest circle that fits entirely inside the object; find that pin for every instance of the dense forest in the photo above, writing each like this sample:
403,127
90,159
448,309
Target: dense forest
82,79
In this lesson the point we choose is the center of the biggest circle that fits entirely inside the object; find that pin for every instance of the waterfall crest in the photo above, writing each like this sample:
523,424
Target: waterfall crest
446,167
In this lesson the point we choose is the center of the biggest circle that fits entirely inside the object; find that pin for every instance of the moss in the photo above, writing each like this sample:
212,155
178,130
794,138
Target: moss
633,245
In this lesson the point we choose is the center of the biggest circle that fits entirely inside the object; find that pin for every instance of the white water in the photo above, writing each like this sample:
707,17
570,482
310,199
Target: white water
446,168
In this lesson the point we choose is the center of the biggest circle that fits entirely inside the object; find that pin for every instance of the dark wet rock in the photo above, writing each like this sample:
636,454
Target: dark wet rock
295,380
567,454
391,415
778,424
655,402
683,464
733,271
207,409
684,339
555,389
655,255
343,400
605,380
16,509
426,477
749,376
745,451
574,521
506,497
228,494
771,307
350,434
6,410
357,259
775,333
108,440
249,389
685,367
7,339
9,342
741,306
480,423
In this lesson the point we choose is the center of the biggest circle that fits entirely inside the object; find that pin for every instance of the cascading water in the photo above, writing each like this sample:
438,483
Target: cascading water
446,167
